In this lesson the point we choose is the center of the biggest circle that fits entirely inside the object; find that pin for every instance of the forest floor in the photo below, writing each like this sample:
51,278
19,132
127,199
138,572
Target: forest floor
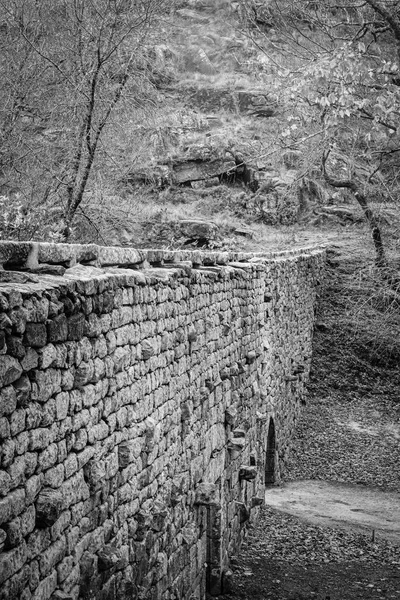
348,433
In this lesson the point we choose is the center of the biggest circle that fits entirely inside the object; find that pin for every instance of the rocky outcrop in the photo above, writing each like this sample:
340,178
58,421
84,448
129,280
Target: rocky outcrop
254,102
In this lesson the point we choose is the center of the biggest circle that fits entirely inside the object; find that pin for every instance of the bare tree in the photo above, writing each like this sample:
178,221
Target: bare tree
68,65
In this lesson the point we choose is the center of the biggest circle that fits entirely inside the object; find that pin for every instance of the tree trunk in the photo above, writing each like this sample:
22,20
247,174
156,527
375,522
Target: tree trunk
380,256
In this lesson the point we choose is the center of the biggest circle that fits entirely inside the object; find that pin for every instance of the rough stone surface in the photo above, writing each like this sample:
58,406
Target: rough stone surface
143,406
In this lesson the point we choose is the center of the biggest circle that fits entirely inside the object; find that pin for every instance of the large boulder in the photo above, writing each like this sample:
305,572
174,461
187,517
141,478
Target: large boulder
239,101
197,170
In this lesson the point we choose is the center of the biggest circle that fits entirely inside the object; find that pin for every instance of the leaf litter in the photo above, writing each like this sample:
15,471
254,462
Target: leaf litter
349,432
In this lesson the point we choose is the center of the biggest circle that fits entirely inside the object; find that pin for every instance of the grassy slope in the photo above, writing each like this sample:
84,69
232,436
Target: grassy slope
206,60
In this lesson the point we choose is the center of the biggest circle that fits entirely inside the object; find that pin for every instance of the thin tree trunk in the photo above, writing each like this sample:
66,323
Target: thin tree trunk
380,256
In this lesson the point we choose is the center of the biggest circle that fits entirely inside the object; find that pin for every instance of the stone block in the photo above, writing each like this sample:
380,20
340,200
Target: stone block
12,505
128,452
10,370
231,416
30,360
18,318
32,488
74,490
12,561
35,335
47,356
39,438
49,506
54,477
62,405
16,587
70,465
207,494
108,558
57,329
84,456
46,587
76,326
20,527
15,346
64,568
8,400
17,471
83,374
5,431
81,438
52,556
17,421
5,483
48,457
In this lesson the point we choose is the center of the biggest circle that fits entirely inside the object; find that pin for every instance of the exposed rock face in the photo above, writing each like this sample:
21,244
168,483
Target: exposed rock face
197,170
136,406
248,102
198,230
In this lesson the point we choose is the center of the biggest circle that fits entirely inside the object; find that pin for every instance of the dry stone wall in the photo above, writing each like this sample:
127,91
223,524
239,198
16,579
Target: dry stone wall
147,397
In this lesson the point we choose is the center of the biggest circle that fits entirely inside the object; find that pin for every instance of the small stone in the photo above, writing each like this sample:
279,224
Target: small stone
208,494
256,501
192,334
18,319
248,472
228,583
95,473
128,452
4,303
22,389
5,322
148,349
251,356
108,558
231,416
236,444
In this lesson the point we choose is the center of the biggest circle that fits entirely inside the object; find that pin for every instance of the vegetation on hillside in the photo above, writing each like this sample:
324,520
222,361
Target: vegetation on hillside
67,71
105,103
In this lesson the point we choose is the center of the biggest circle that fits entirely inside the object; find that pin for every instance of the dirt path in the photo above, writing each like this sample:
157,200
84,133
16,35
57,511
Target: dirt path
347,444
371,511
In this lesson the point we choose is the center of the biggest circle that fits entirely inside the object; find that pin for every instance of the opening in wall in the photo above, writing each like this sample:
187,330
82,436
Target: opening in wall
270,467
214,550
